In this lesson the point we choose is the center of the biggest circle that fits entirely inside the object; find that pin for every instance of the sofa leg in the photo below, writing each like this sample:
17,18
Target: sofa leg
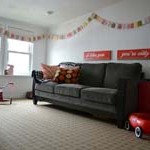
120,124
35,101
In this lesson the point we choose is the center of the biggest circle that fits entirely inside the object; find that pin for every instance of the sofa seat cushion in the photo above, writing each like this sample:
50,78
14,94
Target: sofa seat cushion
99,95
73,90
46,87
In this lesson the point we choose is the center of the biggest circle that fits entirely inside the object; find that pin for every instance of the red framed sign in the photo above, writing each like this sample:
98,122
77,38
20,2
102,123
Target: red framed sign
133,54
97,55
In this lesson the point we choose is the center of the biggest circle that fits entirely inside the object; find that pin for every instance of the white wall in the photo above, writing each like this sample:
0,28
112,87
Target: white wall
98,37
40,51
24,83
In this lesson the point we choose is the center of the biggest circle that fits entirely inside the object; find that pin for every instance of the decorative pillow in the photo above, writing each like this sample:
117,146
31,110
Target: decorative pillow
48,71
67,75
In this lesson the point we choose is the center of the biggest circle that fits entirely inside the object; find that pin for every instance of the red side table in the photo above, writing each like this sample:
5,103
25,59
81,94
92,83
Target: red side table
144,96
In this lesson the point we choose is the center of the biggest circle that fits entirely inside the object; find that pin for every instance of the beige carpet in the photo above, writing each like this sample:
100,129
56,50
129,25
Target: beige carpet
24,126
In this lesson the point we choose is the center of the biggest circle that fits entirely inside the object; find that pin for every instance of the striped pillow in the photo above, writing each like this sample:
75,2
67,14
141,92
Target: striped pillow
48,71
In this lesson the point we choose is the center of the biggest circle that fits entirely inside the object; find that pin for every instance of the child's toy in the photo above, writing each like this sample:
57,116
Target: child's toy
140,122
1,93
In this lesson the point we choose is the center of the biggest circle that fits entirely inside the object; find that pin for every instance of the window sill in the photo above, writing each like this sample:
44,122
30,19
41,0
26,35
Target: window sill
16,76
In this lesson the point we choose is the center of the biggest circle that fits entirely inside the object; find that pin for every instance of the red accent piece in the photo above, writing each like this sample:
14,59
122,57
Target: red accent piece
97,55
133,54
144,96
141,120
1,96
4,100
1,93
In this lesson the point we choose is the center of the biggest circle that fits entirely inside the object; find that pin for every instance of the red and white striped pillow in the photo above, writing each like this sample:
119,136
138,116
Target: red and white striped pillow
48,71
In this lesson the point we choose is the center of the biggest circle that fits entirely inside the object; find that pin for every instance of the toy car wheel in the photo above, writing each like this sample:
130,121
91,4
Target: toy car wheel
138,132
127,126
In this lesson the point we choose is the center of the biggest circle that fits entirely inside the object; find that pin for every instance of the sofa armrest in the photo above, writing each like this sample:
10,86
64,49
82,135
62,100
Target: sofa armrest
37,78
127,101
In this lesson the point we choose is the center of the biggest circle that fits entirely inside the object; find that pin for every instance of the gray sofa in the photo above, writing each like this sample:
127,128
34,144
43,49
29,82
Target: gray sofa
105,89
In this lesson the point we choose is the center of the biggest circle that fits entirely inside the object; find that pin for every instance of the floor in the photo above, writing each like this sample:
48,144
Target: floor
24,126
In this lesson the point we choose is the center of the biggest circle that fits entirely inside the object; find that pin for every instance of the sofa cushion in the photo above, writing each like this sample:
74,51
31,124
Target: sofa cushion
48,71
100,108
115,71
67,75
92,74
99,95
46,87
73,90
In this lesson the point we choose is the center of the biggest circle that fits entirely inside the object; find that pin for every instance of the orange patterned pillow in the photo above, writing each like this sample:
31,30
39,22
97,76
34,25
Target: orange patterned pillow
48,71
67,75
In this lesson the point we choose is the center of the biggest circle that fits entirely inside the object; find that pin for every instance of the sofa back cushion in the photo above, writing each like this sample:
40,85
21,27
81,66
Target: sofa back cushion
92,74
115,71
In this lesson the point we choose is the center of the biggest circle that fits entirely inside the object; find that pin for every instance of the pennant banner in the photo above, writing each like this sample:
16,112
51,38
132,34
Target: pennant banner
13,35
103,21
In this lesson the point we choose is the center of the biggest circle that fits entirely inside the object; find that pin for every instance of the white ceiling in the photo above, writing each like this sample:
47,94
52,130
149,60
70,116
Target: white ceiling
34,11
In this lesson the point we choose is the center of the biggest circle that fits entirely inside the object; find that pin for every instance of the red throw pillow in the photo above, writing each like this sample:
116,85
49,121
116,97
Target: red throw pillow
67,75
48,71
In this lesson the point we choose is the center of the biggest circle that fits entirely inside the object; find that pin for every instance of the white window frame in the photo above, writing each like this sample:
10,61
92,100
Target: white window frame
2,57
30,54
4,49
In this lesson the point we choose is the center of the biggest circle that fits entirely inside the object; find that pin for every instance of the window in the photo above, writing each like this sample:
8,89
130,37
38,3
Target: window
1,55
16,56
19,54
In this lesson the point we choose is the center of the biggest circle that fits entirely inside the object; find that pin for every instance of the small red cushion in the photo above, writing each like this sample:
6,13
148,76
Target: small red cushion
67,75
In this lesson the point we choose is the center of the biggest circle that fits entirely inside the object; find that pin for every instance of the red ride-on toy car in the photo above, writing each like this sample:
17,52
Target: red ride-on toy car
140,122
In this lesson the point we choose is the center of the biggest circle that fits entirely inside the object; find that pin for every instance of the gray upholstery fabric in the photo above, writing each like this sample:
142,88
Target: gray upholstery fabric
58,98
99,95
69,89
106,89
47,87
116,71
100,107
92,74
